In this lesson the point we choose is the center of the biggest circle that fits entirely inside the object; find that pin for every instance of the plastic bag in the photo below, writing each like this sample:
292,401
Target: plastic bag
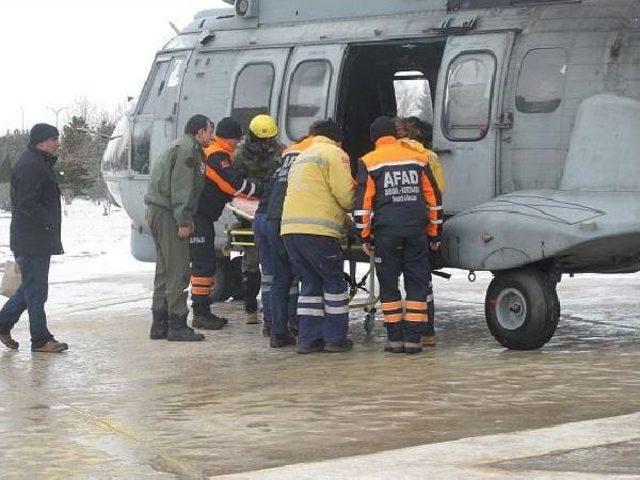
11,279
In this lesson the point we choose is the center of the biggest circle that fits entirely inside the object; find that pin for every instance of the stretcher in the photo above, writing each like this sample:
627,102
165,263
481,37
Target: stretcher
241,238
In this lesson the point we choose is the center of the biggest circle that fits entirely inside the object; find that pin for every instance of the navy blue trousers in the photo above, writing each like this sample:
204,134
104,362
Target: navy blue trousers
284,288
323,304
261,239
409,257
31,296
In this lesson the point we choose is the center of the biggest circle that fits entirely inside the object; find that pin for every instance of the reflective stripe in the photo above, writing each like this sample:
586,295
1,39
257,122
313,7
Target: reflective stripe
416,305
336,297
396,164
395,318
361,213
336,310
313,221
311,312
200,291
389,344
362,226
436,209
391,306
252,190
266,288
412,345
310,299
202,280
437,222
314,160
267,278
416,317
244,185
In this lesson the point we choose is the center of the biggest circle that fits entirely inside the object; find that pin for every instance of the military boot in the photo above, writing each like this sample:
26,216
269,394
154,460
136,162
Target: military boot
179,331
280,340
160,325
208,321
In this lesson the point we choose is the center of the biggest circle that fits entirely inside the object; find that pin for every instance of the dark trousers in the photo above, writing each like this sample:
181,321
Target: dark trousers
284,288
261,239
31,296
323,304
202,252
407,256
172,263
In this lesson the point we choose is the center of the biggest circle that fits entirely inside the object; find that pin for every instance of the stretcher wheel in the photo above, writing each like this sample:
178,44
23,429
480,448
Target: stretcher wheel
369,321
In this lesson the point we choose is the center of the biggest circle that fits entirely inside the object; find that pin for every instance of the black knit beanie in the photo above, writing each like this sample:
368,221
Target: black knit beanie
41,132
228,128
383,127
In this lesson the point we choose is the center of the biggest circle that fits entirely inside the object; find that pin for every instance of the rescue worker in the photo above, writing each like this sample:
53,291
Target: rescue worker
417,134
177,179
399,214
223,182
258,158
284,289
320,192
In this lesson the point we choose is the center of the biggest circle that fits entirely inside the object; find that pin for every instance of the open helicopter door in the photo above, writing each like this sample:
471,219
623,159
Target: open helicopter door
466,131
310,88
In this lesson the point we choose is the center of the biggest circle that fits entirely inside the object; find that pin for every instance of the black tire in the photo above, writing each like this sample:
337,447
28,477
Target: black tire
522,309
228,280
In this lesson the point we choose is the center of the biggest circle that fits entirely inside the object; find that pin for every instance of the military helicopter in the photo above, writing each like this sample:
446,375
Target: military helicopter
535,106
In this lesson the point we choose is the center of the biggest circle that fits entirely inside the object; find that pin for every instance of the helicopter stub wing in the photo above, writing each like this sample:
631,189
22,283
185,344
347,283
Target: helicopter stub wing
580,231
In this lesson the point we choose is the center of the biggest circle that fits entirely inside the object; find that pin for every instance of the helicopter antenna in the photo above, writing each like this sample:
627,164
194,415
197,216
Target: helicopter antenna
175,29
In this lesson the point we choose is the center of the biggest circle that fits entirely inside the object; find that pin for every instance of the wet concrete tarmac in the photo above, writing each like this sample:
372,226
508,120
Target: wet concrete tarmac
120,406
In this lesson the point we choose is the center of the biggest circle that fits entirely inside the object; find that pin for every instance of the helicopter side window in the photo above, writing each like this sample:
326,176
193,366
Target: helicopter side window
413,96
252,92
308,96
468,96
541,80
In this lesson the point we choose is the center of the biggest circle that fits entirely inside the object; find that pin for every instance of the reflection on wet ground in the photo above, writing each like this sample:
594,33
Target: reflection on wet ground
119,405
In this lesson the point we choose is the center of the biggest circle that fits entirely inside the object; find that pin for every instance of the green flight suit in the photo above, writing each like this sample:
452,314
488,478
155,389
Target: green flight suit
177,179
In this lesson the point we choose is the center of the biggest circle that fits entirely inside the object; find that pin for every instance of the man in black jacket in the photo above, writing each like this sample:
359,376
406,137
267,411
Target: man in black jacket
35,236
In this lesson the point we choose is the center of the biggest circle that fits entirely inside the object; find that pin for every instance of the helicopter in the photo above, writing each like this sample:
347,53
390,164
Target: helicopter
535,107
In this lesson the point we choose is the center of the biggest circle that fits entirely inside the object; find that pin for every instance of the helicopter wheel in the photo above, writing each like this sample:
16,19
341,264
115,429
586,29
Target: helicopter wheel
522,309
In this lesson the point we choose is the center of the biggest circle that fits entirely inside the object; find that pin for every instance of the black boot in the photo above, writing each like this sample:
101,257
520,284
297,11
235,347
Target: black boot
208,321
179,331
280,340
160,325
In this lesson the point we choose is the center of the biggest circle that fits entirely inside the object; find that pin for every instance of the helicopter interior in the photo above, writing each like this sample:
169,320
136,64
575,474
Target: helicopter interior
396,79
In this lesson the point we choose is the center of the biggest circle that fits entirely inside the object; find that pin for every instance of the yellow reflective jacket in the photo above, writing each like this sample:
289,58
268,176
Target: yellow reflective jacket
320,191
434,161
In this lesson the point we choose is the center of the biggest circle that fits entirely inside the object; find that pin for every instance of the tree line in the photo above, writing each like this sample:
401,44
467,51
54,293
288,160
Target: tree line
84,139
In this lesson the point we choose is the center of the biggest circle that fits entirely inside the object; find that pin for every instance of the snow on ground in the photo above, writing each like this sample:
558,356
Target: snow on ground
96,246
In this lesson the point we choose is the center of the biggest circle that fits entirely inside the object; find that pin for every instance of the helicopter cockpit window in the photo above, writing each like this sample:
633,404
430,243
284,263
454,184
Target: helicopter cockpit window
155,88
541,80
468,96
252,93
413,96
308,95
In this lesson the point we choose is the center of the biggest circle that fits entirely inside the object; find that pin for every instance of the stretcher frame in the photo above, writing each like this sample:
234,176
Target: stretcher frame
242,238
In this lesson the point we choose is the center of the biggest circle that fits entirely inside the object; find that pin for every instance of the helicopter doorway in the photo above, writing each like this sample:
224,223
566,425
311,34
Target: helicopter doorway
393,79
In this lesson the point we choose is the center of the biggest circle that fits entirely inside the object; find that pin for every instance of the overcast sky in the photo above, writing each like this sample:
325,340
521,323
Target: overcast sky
55,51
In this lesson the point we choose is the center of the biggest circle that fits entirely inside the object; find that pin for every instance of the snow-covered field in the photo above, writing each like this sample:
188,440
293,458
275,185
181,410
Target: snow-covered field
96,246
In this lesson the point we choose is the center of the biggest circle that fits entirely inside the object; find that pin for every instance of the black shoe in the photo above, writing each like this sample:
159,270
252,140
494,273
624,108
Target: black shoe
280,340
344,346
412,348
179,331
315,347
266,329
394,347
160,325
208,321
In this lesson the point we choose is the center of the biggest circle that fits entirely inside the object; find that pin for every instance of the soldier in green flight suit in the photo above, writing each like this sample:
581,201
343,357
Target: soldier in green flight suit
257,158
